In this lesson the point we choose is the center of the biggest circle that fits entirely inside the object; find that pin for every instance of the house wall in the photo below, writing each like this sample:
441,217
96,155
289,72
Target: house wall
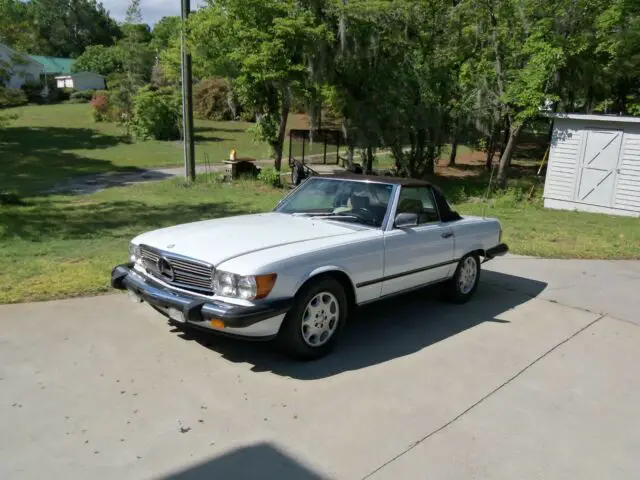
88,82
21,73
565,157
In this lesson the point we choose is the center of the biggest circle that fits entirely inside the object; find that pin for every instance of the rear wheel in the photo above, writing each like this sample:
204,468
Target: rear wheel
312,327
464,283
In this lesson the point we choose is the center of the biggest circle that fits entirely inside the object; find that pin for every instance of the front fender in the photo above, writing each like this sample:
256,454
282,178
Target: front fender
319,271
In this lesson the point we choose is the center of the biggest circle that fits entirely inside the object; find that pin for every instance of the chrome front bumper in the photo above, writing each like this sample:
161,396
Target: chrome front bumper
257,321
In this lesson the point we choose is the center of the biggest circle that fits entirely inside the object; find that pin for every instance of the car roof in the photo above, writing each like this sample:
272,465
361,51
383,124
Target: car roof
405,182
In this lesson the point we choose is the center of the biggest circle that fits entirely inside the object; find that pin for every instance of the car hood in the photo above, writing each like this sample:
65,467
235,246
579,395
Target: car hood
215,241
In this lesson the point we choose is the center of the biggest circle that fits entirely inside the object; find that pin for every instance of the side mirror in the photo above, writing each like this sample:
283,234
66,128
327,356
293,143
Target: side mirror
406,220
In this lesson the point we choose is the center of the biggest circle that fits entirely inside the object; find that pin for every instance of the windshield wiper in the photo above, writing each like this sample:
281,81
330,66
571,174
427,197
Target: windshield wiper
345,216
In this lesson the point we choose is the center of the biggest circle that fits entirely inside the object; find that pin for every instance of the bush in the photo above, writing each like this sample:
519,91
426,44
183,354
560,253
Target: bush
157,114
12,97
100,108
82,96
33,92
211,99
270,177
247,116
65,94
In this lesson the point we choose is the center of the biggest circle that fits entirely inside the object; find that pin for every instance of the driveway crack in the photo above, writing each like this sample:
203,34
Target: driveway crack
488,395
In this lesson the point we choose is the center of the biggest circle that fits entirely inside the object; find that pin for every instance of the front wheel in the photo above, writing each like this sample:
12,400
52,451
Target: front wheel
312,327
464,283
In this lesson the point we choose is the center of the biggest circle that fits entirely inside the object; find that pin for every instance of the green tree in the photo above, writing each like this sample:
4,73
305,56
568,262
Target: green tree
99,59
16,28
261,45
166,30
64,28
137,60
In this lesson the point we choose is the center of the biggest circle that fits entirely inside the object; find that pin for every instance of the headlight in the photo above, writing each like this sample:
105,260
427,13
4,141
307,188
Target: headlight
250,287
134,252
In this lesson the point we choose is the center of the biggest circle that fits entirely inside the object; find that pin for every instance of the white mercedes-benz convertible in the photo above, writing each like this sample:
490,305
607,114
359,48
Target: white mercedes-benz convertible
298,272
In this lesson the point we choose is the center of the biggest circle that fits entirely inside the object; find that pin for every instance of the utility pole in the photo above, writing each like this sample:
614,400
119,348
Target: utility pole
187,105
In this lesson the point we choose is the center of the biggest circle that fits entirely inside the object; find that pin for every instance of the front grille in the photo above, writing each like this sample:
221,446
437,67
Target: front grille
187,273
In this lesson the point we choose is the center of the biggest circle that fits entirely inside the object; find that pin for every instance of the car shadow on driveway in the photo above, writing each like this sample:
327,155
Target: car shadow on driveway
385,330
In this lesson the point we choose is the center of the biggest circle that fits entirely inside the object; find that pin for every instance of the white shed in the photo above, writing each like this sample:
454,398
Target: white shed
81,81
594,164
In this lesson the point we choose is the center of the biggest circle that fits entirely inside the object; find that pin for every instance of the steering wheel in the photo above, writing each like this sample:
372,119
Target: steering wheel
369,216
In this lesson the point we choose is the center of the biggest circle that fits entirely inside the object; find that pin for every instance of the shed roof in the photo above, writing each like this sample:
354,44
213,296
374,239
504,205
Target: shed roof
79,74
594,117
54,64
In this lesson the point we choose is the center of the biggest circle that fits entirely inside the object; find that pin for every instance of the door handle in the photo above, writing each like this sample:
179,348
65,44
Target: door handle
447,234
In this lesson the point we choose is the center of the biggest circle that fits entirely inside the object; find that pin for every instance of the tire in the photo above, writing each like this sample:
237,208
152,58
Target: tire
458,289
297,337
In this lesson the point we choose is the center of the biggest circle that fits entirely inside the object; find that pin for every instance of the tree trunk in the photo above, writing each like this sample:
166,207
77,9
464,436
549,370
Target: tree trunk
454,149
349,142
430,161
284,115
589,102
491,147
505,159
505,136
491,151
314,120
368,168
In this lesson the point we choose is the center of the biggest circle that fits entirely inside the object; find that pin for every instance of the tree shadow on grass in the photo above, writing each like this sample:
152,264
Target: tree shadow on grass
33,159
212,139
386,330
85,219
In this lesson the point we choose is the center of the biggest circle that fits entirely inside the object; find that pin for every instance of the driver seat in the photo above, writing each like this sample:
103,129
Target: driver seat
359,202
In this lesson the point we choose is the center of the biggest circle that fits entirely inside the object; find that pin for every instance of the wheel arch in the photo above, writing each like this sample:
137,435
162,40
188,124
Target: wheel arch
331,272
474,249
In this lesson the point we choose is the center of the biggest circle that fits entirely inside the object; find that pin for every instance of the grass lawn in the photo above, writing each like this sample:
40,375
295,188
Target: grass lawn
50,143
63,246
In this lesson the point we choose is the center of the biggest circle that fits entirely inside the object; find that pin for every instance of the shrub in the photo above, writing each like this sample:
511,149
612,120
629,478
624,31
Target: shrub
100,108
65,94
247,115
270,177
33,92
211,99
157,114
82,96
12,97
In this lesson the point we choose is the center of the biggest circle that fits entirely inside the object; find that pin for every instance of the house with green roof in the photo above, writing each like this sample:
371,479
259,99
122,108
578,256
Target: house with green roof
54,65
60,69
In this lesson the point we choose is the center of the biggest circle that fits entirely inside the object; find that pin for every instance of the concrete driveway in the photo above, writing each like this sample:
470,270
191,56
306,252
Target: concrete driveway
537,377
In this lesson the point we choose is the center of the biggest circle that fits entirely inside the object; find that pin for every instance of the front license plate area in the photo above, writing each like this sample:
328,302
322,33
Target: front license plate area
176,315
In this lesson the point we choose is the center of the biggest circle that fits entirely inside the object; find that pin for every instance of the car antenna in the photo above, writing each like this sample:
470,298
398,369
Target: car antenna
486,197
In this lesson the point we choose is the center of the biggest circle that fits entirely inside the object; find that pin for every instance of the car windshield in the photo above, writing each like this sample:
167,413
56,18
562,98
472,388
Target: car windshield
342,200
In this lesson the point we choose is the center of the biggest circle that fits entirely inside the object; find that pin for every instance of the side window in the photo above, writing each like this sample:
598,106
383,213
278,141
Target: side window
418,200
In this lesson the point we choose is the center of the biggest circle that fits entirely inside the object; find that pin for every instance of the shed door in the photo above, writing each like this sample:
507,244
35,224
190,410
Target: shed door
598,167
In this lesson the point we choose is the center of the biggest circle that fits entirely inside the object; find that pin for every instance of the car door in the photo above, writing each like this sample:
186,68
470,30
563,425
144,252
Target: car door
420,254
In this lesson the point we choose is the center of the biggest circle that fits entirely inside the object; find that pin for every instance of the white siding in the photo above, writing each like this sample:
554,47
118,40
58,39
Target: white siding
564,175
564,156
627,195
